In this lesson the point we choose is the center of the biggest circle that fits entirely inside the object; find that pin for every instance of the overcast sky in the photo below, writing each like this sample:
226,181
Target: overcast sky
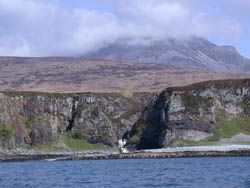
73,27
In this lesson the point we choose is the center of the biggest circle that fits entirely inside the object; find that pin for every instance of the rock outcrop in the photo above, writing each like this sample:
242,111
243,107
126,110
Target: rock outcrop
40,118
191,112
143,120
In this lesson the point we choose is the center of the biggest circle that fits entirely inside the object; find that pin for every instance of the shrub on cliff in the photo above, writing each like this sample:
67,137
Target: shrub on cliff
77,134
6,133
30,124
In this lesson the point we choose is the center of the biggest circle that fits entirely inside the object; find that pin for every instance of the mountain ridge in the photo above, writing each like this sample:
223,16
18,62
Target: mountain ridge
197,53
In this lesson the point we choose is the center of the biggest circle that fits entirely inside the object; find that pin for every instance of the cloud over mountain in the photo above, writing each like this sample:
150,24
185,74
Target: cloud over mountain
46,28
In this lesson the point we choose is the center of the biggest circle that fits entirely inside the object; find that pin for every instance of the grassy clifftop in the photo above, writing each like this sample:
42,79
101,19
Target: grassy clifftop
219,84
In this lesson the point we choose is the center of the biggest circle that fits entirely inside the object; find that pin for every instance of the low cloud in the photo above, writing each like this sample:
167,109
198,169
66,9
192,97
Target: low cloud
44,28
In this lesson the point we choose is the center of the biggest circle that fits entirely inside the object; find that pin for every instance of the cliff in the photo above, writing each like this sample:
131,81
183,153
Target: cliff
30,118
197,114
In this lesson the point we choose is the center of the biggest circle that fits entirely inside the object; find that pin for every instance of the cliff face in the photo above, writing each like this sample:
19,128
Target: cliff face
39,118
205,111
192,113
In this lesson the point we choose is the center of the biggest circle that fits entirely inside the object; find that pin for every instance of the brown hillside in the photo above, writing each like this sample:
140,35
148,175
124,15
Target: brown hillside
79,75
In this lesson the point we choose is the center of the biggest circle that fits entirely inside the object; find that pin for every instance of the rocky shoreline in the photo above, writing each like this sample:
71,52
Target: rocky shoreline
235,153
25,155
201,151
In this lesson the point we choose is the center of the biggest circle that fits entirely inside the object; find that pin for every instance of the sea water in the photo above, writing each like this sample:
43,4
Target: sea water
176,172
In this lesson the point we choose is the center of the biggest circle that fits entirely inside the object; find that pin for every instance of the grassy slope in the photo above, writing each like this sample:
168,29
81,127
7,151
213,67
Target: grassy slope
67,143
79,144
53,147
228,129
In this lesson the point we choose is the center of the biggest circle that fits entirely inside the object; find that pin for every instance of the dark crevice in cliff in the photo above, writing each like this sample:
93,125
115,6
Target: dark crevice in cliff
156,116
71,121
146,131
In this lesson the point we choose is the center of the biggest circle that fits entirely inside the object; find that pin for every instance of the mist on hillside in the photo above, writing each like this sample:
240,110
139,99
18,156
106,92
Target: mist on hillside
45,28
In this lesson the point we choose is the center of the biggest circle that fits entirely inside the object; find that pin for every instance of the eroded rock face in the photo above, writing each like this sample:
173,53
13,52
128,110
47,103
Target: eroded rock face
39,118
36,119
190,113
186,134
108,116
146,120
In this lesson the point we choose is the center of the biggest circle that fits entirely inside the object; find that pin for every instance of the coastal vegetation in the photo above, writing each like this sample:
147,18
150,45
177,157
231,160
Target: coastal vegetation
227,129
30,123
6,133
230,128
76,144
69,142
51,147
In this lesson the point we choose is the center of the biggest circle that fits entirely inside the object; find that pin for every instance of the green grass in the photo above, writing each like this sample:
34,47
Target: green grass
6,133
79,144
72,144
46,147
67,143
182,142
30,123
204,120
128,94
230,128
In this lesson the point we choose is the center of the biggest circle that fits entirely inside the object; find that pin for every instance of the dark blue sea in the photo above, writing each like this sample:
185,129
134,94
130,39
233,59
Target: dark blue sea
182,172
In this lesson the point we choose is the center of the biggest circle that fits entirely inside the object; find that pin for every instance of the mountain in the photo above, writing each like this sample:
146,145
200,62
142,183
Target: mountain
66,74
197,53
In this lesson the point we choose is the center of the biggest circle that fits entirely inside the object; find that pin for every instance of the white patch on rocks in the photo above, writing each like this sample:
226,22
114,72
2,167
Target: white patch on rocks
176,109
218,103
200,148
237,138
245,91
229,96
121,144
210,114
53,123
176,104
207,94
40,98
233,109
90,100
80,120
